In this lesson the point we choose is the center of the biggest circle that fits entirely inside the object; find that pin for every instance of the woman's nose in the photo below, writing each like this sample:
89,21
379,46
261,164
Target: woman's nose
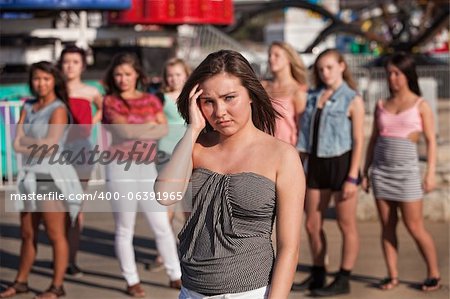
220,109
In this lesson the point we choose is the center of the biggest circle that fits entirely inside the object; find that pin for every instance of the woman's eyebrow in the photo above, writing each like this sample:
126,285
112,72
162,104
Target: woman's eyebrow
226,94
203,96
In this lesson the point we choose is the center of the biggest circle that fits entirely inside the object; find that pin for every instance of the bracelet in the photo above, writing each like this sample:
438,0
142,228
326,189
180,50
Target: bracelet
354,181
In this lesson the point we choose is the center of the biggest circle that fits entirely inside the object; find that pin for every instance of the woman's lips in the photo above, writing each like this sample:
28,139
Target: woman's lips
224,123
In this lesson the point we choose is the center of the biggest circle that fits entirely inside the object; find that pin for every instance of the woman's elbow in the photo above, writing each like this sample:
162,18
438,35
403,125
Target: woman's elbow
163,131
290,253
158,188
290,249
17,148
164,202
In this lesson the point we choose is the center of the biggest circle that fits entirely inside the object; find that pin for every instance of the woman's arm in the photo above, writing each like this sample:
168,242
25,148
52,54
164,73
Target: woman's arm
299,106
299,103
58,122
429,132
154,130
175,175
290,190
158,130
18,147
162,129
369,152
356,111
97,99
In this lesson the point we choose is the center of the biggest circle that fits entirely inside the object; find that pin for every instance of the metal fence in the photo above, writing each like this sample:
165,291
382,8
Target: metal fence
433,81
360,66
10,111
196,42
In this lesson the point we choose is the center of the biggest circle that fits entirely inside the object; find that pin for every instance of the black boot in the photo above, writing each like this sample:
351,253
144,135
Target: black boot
315,280
339,286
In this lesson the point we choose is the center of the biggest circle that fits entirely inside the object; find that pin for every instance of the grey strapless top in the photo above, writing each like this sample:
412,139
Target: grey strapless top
225,245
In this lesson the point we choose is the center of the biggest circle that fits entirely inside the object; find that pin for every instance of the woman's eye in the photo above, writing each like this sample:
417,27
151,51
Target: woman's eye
229,98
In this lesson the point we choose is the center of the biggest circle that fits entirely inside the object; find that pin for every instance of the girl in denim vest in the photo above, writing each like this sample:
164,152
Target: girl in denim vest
332,137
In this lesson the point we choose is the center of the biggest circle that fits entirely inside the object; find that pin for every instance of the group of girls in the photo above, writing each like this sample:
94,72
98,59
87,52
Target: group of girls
329,122
60,113
239,156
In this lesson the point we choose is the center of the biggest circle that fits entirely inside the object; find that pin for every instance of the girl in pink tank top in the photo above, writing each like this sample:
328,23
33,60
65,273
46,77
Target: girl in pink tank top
286,125
287,89
395,173
399,125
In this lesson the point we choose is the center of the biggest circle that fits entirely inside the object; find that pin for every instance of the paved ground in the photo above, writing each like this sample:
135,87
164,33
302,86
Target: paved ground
102,278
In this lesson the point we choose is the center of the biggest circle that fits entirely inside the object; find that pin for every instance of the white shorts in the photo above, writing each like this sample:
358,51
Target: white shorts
261,293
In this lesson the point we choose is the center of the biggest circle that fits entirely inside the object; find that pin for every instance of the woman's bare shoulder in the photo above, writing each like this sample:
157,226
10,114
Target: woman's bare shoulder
281,156
275,147
87,92
266,83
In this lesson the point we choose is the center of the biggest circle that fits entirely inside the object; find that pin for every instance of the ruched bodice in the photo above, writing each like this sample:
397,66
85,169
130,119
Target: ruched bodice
225,245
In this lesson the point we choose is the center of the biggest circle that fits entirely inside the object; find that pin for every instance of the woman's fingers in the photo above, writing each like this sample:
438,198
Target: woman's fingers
194,94
428,187
365,184
193,99
196,118
193,91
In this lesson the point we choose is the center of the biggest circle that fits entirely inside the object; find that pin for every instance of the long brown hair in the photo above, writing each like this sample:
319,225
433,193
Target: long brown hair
119,59
406,64
60,83
233,63
72,49
347,75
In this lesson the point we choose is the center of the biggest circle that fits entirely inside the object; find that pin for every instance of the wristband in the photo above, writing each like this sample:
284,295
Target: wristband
354,181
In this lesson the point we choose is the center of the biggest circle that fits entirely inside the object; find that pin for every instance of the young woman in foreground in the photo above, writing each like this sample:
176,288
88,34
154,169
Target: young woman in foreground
241,179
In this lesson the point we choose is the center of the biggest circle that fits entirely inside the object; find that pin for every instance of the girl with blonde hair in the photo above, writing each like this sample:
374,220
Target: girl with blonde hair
287,89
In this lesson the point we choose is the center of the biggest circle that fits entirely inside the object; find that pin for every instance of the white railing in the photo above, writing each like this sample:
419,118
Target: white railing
11,113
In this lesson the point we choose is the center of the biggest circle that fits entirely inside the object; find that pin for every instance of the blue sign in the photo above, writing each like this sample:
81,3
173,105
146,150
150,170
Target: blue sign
26,5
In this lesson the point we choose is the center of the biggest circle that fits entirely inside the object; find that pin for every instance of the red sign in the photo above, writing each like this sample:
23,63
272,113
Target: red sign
175,12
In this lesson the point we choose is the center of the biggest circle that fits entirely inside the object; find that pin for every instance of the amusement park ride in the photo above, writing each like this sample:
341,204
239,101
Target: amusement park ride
163,12
26,23
393,25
